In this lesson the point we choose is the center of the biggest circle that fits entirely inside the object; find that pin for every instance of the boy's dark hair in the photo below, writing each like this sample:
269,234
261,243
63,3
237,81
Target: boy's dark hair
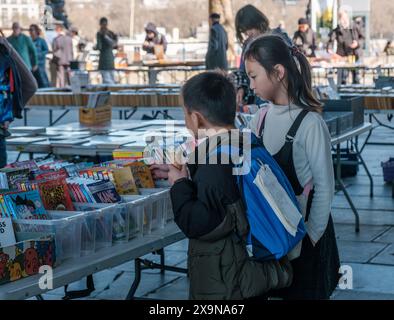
213,95
249,17
270,50
103,20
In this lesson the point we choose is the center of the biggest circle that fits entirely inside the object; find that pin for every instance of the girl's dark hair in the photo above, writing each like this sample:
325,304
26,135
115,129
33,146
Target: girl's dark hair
249,17
36,28
271,50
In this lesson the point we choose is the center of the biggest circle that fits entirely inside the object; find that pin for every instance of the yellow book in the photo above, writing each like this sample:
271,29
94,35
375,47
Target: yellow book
124,181
142,174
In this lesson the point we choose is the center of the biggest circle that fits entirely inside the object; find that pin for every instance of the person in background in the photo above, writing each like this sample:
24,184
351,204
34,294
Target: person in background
62,48
305,38
107,41
153,37
216,57
42,49
349,39
76,39
24,46
250,23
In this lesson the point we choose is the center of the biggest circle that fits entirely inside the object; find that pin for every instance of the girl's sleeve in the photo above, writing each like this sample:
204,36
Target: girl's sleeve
318,153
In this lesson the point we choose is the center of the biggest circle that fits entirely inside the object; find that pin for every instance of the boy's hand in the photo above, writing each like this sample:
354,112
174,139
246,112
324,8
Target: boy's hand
160,171
175,174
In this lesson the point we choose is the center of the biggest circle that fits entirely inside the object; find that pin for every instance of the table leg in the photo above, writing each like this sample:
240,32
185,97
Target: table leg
137,279
25,117
343,187
365,167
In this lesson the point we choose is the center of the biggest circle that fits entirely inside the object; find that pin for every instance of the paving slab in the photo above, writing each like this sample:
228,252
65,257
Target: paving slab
385,257
367,232
357,251
387,237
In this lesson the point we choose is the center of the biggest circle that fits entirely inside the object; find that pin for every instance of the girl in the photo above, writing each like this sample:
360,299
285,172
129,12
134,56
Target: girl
294,132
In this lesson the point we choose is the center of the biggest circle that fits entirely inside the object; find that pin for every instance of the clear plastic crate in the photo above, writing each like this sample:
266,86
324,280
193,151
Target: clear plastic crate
65,228
104,217
140,206
88,228
157,201
134,207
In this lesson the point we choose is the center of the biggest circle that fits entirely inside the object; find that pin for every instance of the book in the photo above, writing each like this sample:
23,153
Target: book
9,177
26,205
55,195
142,174
7,238
125,181
104,192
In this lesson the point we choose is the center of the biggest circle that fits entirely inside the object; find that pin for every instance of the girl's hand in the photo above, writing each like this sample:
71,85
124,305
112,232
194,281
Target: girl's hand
160,171
175,174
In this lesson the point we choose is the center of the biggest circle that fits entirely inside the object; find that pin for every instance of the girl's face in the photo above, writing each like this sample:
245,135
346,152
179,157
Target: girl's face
263,85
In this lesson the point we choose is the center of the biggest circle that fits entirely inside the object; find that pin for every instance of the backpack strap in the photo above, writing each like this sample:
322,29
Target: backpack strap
261,124
296,125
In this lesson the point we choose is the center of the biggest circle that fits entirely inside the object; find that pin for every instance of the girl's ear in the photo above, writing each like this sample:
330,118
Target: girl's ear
279,71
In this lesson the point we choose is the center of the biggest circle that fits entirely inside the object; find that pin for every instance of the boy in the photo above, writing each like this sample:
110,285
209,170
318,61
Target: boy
207,204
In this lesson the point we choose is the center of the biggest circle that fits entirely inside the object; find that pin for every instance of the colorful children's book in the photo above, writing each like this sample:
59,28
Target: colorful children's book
104,192
124,181
142,174
55,195
26,205
9,177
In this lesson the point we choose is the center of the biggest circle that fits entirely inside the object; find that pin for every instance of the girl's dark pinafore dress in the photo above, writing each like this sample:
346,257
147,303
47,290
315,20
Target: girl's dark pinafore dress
316,270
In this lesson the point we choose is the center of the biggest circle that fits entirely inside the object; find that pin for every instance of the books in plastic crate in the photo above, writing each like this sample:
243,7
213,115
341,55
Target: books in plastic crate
25,258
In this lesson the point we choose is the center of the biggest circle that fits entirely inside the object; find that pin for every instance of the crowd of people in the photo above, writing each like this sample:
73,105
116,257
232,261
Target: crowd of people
67,47
348,36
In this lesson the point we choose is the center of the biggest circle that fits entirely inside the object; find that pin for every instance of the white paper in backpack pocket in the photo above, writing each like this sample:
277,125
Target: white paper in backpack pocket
277,197
7,235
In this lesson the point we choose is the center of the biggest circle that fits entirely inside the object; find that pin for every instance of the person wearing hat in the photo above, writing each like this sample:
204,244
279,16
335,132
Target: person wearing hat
107,41
153,37
216,57
304,38
62,48
24,46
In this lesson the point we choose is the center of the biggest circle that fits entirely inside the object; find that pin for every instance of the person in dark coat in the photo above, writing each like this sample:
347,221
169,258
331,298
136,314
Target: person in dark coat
349,38
153,37
304,38
216,56
107,41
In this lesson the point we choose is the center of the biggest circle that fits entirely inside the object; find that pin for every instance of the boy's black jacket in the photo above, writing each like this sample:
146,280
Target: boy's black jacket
199,204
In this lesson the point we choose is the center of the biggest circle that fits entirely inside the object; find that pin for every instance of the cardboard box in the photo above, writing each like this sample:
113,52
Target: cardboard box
93,116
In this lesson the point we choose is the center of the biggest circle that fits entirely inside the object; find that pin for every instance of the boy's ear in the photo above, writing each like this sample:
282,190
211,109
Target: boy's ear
198,119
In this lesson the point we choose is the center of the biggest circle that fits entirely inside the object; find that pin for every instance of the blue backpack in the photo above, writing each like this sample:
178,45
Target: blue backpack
6,95
268,238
